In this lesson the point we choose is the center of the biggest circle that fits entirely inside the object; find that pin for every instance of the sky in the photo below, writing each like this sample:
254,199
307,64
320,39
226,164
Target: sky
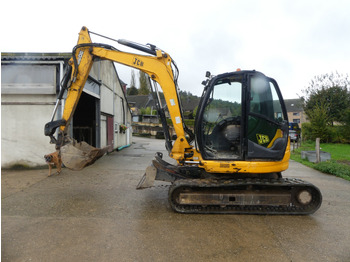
290,41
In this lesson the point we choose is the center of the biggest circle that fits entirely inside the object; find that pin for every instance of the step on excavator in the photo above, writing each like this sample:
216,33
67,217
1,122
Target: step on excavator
233,161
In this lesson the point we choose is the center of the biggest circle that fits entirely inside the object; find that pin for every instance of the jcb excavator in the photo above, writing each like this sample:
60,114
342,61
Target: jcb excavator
233,161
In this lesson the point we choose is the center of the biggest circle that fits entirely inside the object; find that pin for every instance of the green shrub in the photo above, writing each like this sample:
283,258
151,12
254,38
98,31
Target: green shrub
145,135
334,168
306,131
330,134
334,134
345,133
319,122
189,122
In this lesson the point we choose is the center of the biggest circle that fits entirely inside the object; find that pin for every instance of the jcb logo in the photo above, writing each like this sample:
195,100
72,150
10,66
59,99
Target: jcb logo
137,62
262,139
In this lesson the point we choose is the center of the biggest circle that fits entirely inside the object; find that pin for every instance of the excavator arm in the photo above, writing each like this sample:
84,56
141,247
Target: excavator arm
157,65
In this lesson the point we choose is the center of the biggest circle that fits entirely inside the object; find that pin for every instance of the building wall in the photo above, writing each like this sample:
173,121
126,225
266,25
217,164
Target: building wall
28,94
22,129
28,101
295,111
297,117
113,103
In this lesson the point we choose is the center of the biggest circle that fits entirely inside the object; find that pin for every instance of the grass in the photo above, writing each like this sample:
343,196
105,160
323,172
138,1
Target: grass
339,165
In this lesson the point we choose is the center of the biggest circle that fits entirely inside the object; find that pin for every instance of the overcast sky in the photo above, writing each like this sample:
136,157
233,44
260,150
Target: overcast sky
291,41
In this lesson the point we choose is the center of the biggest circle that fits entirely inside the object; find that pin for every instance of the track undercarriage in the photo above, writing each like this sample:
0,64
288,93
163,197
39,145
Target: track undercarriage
192,192
245,196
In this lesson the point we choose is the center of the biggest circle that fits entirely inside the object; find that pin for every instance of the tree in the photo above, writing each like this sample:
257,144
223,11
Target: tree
143,80
132,90
132,81
329,90
319,122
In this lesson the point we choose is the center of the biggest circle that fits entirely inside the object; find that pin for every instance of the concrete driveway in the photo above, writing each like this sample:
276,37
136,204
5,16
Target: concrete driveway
98,215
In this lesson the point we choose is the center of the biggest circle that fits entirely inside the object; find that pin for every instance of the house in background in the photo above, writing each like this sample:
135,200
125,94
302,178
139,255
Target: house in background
30,83
295,111
138,102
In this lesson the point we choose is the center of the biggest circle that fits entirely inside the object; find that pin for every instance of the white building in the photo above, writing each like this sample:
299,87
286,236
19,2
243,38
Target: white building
30,83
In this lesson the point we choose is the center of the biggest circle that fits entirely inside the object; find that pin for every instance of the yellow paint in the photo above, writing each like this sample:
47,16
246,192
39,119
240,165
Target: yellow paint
277,135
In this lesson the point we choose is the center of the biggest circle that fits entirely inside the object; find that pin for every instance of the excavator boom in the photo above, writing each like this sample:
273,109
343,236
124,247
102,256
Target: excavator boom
158,66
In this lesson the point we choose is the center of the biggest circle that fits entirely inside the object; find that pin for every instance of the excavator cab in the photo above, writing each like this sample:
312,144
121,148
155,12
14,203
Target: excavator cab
241,117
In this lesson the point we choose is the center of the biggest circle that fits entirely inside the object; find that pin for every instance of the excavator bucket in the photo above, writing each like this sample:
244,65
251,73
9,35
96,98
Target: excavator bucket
77,155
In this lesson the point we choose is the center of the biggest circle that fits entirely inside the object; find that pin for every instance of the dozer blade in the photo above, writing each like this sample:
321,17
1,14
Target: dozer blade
148,178
76,156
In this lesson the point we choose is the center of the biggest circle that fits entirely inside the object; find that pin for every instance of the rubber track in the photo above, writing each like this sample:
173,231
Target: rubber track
290,184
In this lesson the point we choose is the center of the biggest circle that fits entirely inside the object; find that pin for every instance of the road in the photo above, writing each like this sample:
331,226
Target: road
98,215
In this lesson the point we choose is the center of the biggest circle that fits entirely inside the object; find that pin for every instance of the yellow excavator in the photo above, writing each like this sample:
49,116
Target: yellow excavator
231,163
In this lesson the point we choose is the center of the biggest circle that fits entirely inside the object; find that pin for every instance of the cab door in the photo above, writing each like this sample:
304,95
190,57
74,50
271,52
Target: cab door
220,119
267,123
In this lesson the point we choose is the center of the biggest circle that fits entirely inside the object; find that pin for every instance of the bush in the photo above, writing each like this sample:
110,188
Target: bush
345,129
334,168
160,135
148,111
306,131
189,122
345,133
329,134
145,135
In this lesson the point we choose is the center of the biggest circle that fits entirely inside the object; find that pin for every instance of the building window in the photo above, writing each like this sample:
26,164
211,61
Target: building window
296,113
296,121
28,79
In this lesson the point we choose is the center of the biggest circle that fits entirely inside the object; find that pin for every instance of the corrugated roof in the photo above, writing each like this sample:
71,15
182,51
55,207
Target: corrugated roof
35,56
